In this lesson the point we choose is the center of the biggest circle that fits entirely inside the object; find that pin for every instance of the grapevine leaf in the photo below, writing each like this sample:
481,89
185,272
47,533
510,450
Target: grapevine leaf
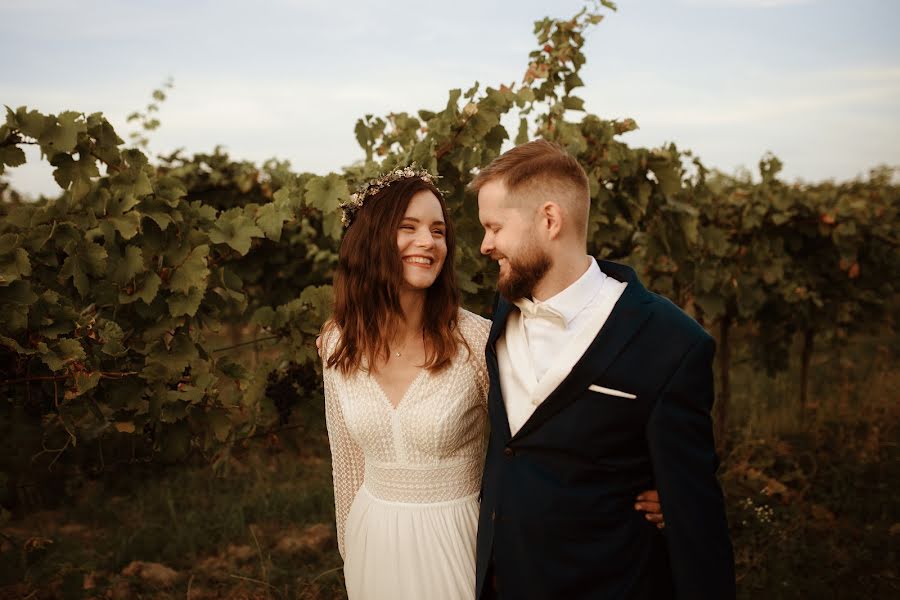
233,370
573,103
113,337
219,423
8,242
11,156
72,175
84,382
270,218
185,304
145,290
128,266
192,273
522,136
61,133
170,190
713,306
127,225
67,350
30,123
18,292
172,361
11,343
326,193
236,229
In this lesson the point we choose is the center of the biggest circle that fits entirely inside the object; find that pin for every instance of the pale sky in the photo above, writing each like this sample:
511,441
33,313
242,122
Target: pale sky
817,82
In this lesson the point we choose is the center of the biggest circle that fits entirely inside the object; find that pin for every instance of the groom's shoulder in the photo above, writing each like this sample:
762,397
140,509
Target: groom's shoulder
675,321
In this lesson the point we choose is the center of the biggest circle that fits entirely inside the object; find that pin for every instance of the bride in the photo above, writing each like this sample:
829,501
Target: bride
405,397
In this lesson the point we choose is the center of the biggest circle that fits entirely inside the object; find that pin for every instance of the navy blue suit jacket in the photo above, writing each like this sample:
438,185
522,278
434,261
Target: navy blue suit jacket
557,513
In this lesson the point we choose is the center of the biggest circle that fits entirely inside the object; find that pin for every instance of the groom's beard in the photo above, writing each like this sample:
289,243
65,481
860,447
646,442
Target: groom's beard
523,273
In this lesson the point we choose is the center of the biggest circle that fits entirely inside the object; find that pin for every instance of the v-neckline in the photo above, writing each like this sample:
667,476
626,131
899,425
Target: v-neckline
391,405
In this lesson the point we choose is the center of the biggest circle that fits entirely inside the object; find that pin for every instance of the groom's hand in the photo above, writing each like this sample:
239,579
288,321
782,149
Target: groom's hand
649,503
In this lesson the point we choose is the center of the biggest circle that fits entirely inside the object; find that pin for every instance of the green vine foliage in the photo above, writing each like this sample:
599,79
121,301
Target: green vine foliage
110,292
107,292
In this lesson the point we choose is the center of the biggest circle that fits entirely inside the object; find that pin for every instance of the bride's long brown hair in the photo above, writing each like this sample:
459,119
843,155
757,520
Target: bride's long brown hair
367,310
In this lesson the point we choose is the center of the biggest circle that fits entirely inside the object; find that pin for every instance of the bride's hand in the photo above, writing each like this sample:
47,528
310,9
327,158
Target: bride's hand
649,503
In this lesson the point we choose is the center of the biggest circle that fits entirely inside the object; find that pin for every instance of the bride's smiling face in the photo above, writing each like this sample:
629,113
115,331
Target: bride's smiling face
422,241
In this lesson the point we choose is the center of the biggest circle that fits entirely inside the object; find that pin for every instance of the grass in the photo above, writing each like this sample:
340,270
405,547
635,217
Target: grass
260,529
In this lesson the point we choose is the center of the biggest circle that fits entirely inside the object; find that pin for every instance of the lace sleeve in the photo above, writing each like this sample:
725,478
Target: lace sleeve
347,465
476,330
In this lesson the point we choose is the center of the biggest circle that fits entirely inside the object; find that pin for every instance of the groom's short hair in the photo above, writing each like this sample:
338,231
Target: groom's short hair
541,170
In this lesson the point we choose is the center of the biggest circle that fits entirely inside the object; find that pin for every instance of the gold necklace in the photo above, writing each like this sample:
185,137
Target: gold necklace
397,352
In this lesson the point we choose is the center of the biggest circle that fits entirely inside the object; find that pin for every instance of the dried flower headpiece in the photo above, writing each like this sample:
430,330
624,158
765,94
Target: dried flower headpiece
356,201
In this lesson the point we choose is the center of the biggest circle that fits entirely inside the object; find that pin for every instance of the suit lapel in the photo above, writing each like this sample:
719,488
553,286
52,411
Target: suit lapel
498,322
499,418
626,319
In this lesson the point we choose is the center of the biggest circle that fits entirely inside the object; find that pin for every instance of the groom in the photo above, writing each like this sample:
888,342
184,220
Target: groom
598,389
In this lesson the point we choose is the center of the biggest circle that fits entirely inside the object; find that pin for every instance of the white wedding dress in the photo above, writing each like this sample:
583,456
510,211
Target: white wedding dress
406,479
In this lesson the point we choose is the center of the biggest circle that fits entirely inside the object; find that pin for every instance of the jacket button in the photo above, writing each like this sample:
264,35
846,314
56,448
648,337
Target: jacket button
493,515
508,451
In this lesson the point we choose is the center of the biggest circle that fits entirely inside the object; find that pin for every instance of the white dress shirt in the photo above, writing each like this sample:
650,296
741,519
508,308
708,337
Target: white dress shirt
544,340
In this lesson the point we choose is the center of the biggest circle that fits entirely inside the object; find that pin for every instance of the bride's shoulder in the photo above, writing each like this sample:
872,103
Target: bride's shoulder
328,339
473,326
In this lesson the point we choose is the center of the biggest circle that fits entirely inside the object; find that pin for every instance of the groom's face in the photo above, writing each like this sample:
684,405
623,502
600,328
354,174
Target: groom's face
510,239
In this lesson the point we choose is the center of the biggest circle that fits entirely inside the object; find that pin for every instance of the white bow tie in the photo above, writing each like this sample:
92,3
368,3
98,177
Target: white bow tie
539,310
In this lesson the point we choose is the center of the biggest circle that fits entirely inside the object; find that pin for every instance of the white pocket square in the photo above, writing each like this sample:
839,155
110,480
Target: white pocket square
609,391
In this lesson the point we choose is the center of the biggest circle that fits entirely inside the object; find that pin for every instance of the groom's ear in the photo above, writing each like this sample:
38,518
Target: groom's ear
551,219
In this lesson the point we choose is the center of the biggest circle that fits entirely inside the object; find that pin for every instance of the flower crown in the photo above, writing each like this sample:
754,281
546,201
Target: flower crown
356,201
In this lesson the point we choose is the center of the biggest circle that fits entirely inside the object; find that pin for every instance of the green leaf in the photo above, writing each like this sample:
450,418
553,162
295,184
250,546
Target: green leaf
522,136
8,242
169,362
127,225
572,81
128,266
233,370
112,336
16,266
11,156
270,218
74,176
236,229
289,197
142,185
67,350
61,133
319,300
326,193
18,292
192,273
712,305
186,304
170,190
11,343
30,123
84,382
573,103
145,290
219,423
89,258
184,396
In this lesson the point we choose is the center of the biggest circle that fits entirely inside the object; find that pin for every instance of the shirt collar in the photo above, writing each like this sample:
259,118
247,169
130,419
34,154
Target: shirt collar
580,294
